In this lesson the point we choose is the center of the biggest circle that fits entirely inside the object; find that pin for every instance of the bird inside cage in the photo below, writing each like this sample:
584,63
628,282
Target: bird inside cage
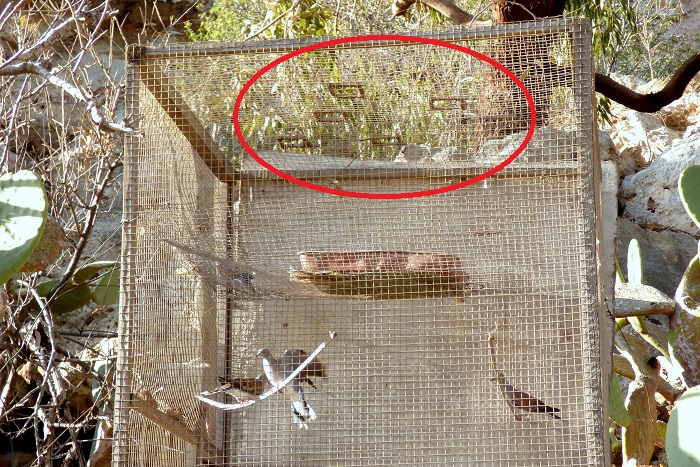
522,403
278,370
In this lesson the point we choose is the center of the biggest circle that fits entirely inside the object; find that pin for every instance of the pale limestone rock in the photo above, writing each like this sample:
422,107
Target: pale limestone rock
650,197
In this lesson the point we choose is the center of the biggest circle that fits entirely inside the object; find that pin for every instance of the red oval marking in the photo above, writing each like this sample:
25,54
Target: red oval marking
382,37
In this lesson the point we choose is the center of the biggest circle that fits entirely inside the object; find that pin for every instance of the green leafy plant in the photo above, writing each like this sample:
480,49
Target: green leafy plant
650,52
618,412
97,282
225,21
612,22
239,19
106,291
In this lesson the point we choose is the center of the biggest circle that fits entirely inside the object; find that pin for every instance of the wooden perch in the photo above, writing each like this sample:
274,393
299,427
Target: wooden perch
275,389
172,426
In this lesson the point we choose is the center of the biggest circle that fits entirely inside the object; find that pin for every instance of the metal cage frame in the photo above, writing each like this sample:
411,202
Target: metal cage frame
200,436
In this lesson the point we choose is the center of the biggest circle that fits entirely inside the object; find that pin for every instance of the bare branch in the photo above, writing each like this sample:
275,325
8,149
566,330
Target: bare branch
47,40
37,68
105,176
8,12
90,333
5,394
59,31
90,102
11,122
52,378
93,109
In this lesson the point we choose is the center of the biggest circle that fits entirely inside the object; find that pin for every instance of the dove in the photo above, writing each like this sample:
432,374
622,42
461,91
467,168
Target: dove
277,370
520,402
243,389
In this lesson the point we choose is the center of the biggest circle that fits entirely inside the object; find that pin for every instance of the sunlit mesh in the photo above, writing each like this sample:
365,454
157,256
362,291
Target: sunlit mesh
223,257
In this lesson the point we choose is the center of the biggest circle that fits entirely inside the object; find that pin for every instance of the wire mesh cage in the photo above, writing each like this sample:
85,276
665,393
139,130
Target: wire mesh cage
464,308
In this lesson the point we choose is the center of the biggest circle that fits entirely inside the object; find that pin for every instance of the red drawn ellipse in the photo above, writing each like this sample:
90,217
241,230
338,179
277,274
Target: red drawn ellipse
383,37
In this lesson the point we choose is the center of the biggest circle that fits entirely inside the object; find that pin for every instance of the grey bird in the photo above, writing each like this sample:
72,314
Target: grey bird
520,402
277,370
243,389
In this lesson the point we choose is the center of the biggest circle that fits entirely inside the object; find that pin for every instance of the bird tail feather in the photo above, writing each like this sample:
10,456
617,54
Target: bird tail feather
301,410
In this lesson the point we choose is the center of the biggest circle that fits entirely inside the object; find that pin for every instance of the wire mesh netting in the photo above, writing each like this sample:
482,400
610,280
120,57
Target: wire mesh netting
466,322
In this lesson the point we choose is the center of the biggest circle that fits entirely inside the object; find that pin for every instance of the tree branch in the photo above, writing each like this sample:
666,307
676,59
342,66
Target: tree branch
446,7
46,41
450,10
36,68
650,102
603,84
87,226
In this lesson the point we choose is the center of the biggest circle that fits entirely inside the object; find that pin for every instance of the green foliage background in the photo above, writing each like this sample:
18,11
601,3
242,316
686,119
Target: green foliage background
630,36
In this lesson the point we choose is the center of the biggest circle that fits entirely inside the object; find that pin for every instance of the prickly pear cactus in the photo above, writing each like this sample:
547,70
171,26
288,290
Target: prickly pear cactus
689,189
684,338
23,211
682,447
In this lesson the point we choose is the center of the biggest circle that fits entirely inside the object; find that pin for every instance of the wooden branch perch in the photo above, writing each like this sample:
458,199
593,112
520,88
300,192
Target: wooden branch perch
275,389
641,300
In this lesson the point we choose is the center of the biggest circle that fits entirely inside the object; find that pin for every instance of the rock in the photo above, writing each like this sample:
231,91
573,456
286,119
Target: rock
641,137
650,197
691,131
665,255
628,81
606,147
682,113
608,152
